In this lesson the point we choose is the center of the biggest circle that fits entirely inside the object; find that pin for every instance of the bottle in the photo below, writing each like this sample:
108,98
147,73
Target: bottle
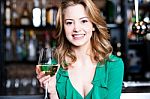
119,54
15,15
110,11
43,13
25,17
8,45
8,13
19,44
36,14
51,13
119,18
147,20
130,1
32,47
133,29
147,17
55,15
135,61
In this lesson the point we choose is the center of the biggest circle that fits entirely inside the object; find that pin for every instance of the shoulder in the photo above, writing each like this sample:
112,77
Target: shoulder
115,59
115,62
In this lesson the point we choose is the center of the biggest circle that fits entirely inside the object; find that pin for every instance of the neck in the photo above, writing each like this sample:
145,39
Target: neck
83,56
82,52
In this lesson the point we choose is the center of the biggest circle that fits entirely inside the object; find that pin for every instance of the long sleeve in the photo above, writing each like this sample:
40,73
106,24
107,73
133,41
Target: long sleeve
115,79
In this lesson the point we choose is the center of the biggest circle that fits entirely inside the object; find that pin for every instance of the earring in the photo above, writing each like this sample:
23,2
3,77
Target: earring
93,29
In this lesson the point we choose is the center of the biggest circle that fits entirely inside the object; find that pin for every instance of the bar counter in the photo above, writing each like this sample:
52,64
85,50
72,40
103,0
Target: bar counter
23,97
130,90
123,96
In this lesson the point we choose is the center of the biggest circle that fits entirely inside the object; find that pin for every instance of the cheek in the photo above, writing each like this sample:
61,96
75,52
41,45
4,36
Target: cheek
68,30
89,29
88,26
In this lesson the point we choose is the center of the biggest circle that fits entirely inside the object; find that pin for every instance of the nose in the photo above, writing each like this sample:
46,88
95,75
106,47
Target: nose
77,27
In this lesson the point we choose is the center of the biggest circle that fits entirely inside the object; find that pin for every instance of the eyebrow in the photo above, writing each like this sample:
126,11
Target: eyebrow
79,18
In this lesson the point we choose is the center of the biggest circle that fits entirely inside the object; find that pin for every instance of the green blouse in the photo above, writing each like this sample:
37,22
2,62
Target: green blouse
107,82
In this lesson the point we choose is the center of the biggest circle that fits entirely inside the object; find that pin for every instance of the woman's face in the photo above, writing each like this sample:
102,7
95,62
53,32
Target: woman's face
77,25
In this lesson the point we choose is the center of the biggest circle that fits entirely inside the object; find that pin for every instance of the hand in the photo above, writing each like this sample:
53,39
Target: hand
43,79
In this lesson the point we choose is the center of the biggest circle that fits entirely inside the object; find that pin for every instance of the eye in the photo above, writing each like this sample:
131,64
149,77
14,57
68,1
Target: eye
84,21
69,23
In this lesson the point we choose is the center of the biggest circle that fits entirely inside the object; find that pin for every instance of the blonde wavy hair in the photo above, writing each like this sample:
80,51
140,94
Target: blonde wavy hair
100,40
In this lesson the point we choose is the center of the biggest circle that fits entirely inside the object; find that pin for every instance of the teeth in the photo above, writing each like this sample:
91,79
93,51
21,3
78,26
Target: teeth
78,35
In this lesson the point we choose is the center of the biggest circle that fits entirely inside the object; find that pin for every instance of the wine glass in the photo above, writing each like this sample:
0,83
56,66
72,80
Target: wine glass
47,64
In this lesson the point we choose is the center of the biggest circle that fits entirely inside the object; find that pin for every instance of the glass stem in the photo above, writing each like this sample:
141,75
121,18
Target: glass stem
46,91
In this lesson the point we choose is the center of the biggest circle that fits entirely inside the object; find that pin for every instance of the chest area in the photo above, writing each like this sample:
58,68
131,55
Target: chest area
81,79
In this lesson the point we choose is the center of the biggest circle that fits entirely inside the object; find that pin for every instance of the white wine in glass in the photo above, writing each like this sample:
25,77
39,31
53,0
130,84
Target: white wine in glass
47,64
50,69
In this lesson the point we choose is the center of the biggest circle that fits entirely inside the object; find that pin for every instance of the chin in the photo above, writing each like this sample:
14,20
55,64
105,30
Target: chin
79,44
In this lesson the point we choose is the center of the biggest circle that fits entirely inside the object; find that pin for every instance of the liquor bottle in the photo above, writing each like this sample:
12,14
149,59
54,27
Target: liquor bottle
148,36
55,15
19,44
135,61
53,38
32,47
146,1
36,14
116,47
131,27
51,13
15,15
130,1
8,13
43,13
25,17
8,45
147,20
110,11
26,42
119,18
147,17
119,49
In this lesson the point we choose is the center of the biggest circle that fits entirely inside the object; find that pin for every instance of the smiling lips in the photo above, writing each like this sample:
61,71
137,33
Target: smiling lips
78,36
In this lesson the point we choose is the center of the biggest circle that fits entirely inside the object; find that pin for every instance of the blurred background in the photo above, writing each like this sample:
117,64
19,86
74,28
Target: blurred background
28,25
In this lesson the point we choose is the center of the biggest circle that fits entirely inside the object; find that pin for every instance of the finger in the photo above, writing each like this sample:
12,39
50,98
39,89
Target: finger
38,70
52,81
44,80
53,77
40,75
52,85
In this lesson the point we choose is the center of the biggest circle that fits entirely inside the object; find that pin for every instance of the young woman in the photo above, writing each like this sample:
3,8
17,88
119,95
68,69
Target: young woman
87,67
